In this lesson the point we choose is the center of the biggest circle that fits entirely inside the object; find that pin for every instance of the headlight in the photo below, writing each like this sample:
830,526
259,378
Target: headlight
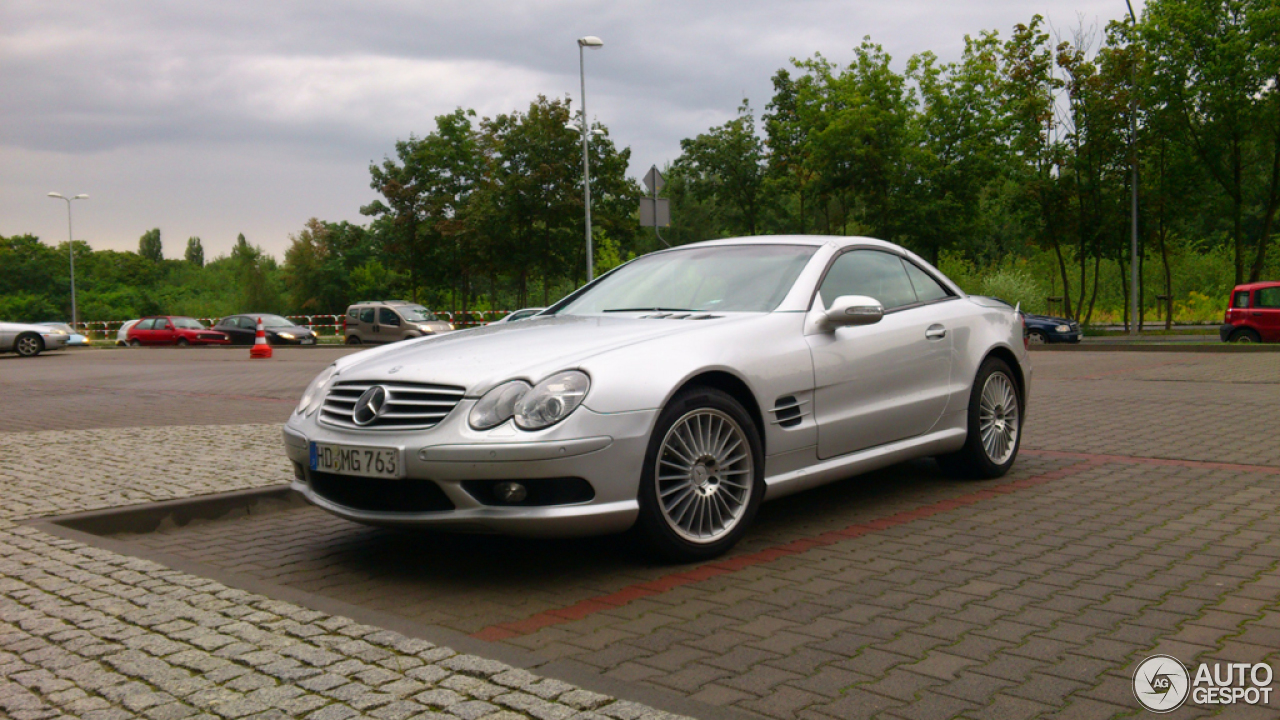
551,400
1063,328
286,336
425,328
498,405
315,391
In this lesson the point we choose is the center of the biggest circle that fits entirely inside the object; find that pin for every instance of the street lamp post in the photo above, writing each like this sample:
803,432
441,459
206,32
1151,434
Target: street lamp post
71,250
590,41
1133,208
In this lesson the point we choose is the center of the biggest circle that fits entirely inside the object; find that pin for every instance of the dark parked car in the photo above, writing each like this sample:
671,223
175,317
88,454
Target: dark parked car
243,329
173,330
1253,314
1040,329
1048,329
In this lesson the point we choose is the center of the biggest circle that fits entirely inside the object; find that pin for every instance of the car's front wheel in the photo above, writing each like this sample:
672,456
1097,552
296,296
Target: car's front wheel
353,340
183,342
995,425
1037,337
703,476
28,345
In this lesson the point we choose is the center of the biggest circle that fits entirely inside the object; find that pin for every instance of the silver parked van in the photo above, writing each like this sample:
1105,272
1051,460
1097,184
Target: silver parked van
383,321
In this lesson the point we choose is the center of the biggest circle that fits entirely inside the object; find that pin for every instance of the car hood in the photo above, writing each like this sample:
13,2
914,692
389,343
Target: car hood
479,358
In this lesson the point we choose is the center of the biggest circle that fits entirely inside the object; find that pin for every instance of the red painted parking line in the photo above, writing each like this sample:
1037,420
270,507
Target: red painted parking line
626,595
1135,460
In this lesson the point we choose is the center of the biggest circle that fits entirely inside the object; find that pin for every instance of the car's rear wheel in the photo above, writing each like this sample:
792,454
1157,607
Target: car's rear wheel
135,342
995,425
703,476
1037,337
28,345
1244,335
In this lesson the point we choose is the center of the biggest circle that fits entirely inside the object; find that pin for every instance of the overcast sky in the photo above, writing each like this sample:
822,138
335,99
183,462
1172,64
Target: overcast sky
216,118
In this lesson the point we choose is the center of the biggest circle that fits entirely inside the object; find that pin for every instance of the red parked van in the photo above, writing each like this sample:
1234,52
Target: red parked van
1253,314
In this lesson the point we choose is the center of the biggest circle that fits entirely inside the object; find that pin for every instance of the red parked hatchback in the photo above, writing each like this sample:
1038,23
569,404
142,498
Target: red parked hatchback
1253,314
174,330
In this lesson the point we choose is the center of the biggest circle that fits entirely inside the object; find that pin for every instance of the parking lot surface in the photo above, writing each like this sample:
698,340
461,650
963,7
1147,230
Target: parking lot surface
1141,518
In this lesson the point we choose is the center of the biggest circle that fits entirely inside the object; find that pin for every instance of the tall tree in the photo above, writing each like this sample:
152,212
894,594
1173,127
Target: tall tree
149,245
728,164
1216,63
195,252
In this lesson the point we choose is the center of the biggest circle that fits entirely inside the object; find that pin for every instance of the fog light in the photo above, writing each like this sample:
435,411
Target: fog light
510,492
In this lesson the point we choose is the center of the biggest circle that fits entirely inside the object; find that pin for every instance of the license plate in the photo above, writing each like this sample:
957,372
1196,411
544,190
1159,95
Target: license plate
308,341
378,462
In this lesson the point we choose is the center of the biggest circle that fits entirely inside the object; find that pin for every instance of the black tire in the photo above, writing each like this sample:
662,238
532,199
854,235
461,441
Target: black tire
182,342
980,459
1037,337
353,340
708,510
28,344
1244,335
135,342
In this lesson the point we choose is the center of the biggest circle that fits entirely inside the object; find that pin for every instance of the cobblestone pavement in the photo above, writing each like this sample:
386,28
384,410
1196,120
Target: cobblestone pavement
89,633
1141,519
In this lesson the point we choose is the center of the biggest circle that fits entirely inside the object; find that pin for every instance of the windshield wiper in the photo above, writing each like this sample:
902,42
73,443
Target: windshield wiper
648,309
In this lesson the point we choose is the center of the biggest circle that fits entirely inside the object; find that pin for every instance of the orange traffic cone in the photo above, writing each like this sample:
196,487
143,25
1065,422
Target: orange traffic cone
260,347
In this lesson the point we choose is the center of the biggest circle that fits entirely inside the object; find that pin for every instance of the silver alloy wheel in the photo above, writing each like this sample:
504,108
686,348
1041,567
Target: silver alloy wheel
998,418
1036,338
705,475
28,345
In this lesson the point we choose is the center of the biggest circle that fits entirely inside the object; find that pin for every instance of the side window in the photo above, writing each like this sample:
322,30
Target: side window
353,313
1269,297
927,289
872,273
366,315
1241,299
387,316
145,324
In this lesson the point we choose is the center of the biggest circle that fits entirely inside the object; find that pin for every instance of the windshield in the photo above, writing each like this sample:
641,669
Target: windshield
273,321
416,313
733,278
187,323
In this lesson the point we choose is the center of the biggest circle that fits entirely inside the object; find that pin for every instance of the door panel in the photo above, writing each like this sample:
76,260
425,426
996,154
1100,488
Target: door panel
1266,313
879,383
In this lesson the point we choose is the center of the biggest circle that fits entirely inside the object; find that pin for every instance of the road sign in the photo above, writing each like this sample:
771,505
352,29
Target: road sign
655,212
654,180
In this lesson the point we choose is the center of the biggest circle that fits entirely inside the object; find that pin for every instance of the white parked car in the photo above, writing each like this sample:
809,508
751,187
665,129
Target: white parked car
122,335
30,340
673,395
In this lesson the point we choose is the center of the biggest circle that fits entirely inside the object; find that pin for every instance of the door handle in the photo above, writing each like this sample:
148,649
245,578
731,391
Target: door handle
935,332
1258,314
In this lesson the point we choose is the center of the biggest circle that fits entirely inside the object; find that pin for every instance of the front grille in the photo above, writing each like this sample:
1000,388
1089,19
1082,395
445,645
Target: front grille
380,495
409,406
206,336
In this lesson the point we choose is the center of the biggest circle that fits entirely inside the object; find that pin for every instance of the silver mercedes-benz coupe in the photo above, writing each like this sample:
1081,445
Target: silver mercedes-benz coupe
671,396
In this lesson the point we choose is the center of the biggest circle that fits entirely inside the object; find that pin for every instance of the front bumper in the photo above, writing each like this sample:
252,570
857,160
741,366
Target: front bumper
606,450
54,341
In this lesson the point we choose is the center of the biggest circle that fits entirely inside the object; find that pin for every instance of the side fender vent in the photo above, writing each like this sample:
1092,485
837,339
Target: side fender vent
787,411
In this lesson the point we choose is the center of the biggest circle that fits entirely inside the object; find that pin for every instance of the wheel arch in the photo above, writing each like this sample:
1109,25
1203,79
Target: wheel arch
1019,376
736,388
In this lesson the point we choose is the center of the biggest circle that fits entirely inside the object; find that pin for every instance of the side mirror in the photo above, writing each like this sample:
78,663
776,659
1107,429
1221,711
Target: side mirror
849,310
